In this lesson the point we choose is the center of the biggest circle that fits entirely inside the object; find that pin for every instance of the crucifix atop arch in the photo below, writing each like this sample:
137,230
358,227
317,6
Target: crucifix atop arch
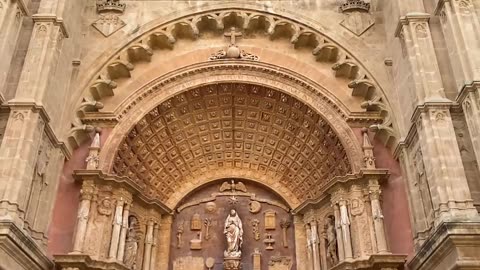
233,34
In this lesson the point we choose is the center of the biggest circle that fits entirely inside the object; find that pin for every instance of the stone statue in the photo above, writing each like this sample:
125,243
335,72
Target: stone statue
233,231
331,242
131,245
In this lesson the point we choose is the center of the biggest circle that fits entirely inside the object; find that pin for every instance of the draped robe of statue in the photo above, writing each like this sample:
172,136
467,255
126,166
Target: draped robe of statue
234,233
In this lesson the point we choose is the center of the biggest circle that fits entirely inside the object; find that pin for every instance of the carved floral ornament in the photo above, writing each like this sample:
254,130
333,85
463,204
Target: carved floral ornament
165,35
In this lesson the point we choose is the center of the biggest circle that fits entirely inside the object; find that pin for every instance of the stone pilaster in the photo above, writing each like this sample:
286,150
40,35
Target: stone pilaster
300,242
148,246
414,30
83,215
444,170
123,233
164,242
461,28
338,229
153,258
120,197
11,18
449,189
374,192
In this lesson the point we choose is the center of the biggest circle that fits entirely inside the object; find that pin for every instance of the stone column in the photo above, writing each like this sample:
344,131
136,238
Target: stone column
449,190
338,228
153,258
11,18
123,232
308,231
345,223
323,252
117,225
300,242
148,246
83,214
461,28
374,191
315,243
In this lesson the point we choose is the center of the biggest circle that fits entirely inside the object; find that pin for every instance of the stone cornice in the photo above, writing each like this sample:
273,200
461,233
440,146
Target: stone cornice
80,261
467,88
40,109
376,261
15,242
450,235
102,178
439,7
409,18
23,7
100,119
51,18
341,181
412,132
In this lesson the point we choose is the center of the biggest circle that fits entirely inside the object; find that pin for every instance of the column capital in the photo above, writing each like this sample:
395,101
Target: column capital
418,17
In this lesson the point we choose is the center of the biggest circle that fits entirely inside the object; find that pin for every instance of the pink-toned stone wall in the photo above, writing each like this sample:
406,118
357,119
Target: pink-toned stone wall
394,200
62,227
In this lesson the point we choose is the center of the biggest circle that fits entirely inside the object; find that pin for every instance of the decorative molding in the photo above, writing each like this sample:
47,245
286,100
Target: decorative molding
26,252
340,182
124,182
51,18
32,106
80,261
410,18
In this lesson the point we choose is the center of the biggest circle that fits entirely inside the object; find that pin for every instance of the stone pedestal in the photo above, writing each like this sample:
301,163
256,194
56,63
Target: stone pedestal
230,263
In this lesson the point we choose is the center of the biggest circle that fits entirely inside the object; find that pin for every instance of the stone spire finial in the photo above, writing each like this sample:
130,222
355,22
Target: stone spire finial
92,159
368,150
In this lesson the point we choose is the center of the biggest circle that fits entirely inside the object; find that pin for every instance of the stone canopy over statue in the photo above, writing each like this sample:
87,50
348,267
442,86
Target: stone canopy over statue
233,231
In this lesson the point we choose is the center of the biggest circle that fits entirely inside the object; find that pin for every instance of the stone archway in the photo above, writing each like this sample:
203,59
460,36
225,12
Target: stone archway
231,129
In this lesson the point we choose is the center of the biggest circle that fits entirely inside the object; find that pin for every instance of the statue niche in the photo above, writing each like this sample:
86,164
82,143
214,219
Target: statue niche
230,231
233,231
131,243
331,242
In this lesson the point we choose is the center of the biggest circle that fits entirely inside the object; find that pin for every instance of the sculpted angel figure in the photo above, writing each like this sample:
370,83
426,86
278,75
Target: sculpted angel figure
233,231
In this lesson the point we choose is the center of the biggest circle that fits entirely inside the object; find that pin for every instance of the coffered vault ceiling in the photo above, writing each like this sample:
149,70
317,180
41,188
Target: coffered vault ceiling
225,126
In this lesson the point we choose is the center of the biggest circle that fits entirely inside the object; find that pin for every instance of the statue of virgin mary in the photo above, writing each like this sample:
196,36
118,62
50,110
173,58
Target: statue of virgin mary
234,233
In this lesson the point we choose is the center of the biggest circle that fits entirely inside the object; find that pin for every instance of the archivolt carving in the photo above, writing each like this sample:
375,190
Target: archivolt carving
274,26
227,126
166,35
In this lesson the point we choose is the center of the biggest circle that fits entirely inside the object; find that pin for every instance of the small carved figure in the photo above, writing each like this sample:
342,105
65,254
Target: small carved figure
180,229
232,187
207,223
210,207
284,224
233,231
131,245
332,256
196,244
196,223
255,229
255,207
105,207
269,241
270,220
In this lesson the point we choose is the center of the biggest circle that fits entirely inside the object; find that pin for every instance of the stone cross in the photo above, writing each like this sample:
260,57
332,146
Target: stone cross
232,35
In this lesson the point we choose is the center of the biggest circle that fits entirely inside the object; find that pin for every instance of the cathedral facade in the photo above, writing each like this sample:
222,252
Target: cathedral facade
239,135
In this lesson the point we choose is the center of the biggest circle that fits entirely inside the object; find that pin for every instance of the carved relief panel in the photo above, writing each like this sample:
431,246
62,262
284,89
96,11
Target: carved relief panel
211,205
